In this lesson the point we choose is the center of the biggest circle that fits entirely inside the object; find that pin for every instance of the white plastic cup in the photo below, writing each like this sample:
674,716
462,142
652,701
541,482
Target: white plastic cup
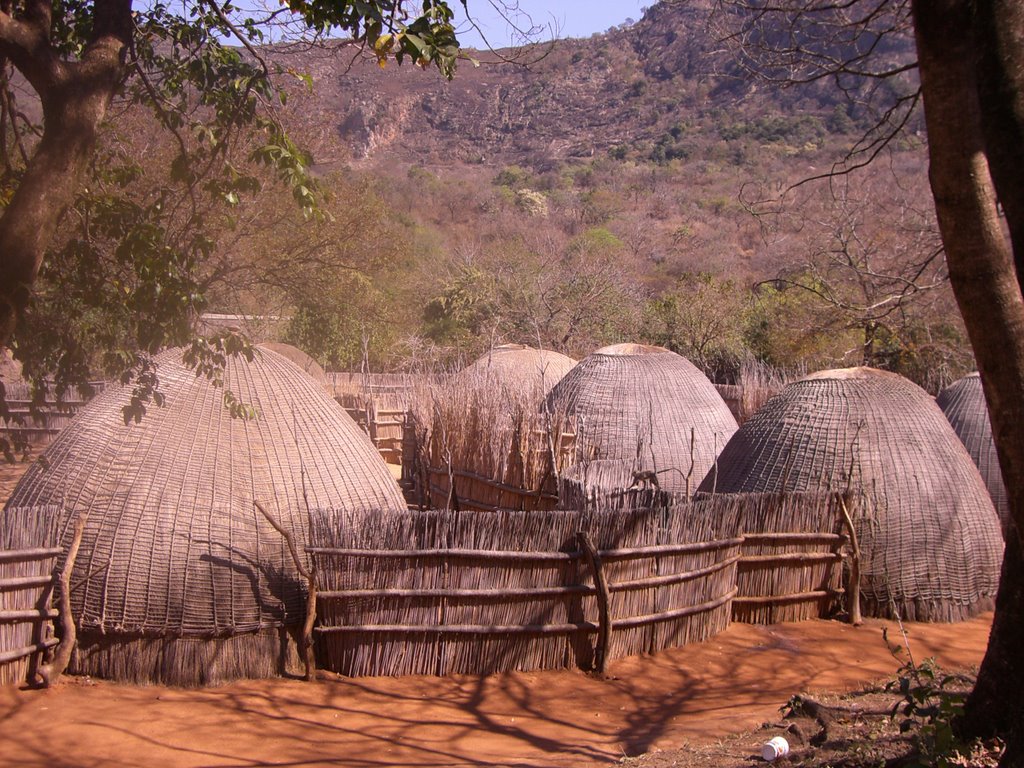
775,748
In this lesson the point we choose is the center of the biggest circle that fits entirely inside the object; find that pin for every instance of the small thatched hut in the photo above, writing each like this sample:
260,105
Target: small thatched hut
963,402
179,578
519,370
930,542
642,406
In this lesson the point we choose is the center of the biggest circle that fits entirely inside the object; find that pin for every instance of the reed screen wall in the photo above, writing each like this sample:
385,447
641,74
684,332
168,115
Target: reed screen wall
791,566
443,592
28,558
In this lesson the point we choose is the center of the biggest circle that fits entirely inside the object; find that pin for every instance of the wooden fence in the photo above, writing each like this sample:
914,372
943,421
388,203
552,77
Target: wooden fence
443,592
27,580
791,568
39,423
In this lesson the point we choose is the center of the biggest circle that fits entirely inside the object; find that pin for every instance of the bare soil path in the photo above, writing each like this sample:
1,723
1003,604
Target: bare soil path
692,695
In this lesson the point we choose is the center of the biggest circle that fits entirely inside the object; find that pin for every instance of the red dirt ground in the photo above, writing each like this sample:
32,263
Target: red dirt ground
691,695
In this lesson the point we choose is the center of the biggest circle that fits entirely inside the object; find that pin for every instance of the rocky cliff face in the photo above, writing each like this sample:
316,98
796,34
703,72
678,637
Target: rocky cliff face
623,89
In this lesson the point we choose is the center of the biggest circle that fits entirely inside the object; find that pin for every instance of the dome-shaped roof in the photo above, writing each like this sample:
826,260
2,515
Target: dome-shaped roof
963,402
519,370
173,545
930,538
638,404
301,359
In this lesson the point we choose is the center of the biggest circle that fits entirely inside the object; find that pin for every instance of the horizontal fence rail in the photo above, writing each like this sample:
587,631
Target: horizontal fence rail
441,592
791,566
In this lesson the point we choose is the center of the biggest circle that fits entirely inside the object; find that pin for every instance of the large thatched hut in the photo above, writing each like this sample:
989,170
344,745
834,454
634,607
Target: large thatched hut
930,541
963,402
647,408
179,578
519,370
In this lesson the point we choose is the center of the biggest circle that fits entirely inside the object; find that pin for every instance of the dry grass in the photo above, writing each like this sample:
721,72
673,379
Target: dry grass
483,445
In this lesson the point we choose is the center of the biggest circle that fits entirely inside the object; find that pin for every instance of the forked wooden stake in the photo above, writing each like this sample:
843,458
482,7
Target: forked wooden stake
603,599
308,657
50,673
855,617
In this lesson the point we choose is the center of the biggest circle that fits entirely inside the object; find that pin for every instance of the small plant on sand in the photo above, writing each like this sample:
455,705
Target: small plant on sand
931,701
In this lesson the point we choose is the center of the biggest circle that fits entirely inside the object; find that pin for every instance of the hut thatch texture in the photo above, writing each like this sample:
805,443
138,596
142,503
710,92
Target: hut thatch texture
643,406
443,592
963,402
179,578
520,370
301,359
930,541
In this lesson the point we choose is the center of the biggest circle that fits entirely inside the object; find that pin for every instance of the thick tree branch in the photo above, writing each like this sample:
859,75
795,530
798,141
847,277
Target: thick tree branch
25,42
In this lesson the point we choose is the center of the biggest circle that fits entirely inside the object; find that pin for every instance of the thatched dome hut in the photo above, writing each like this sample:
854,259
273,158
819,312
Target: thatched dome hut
179,578
301,359
963,402
639,405
930,542
519,370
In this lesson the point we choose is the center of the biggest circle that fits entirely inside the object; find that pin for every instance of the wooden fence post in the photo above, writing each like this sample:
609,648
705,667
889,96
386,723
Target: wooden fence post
50,673
854,593
308,657
604,632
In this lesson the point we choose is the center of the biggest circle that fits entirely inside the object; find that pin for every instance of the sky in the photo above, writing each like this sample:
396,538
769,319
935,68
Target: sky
567,18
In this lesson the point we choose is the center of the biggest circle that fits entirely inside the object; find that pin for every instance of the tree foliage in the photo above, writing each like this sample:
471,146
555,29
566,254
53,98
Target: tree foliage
109,221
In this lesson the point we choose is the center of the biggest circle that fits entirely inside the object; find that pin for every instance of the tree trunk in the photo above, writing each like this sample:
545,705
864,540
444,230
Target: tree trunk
74,96
49,186
1000,46
996,705
984,280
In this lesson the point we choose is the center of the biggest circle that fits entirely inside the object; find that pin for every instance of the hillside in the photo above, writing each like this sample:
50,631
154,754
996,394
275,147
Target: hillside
666,81
604,189
635,185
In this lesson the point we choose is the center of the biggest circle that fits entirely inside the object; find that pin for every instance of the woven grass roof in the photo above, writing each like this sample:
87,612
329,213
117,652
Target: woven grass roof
963,402
637,405
930,538
301,359
173,544
518,369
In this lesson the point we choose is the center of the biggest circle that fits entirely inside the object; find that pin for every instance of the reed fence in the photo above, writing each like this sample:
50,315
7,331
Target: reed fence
28,559
38,422
445,591
792,559
379,403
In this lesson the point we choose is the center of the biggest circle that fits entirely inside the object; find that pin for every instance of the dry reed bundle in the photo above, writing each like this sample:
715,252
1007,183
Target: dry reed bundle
28,556
444,592
177,568
489,447
759,383
963,402
647,408
930,541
